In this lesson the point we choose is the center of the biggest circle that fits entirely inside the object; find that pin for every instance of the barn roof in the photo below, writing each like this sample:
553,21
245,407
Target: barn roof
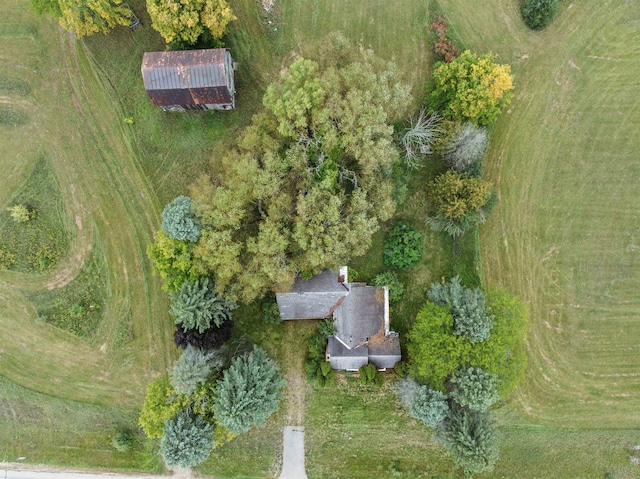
186,77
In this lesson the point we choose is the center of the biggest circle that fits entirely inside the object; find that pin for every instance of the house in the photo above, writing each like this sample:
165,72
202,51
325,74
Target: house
360,313
190,80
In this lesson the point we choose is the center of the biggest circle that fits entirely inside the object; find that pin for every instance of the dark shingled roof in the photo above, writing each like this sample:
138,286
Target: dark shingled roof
312,299
361,315
186,77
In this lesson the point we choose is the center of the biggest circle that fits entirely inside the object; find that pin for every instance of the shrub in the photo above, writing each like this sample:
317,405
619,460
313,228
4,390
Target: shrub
470,315
406,390
124,440
270,311
369,374
187,440
443,45
173,260
191,369
537,14
393,284
401,369
198,306
179,222
249,392
454,195
403,247
160,404
429,406
466,150
21,213
211,338
419,137
470,438
470,89
475,389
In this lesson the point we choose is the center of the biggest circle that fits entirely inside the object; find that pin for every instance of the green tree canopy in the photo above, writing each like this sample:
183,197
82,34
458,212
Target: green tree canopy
160,404
429,406
173,260
310,180
86,17
184,21
470,88
249,392
436,353
198,306
187,440
179,222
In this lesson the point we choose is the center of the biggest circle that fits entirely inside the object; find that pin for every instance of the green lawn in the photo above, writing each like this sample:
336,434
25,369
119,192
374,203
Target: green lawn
564,237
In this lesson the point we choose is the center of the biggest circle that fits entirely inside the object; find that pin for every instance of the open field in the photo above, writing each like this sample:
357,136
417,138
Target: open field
563,238
565,234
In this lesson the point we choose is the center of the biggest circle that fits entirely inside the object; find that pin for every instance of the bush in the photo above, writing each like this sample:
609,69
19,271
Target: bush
393,284
249,392
173,260
124,440
443,45
429,406
465,152
470,89
403,247
470,438
187,440
537,14
369,374
212,338
179,222
191,369
21,213
470,315
198,306
270,311
401,369
475,389
160,404
419,138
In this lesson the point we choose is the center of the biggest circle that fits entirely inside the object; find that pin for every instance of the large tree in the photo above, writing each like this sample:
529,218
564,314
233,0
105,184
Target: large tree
249,392
470,88
309,182
185,21
199,306
86,17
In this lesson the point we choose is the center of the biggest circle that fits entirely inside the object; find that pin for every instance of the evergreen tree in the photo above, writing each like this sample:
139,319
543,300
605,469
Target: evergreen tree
249,392
179,222
469,437
475,388
429,406
198,306
470,314
191,369
187,441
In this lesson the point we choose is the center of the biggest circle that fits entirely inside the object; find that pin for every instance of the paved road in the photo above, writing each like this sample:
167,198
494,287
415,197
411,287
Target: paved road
293,460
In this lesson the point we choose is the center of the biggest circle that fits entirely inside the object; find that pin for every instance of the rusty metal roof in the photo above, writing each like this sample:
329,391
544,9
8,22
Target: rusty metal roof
187,77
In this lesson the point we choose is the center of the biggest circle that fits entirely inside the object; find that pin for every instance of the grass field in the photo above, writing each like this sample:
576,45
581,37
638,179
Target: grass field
563,238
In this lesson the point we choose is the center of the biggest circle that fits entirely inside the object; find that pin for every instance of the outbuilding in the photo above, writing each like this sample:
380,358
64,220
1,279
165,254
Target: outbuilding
190,80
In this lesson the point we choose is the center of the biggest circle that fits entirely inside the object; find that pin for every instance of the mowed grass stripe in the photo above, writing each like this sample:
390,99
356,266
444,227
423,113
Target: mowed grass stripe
564,235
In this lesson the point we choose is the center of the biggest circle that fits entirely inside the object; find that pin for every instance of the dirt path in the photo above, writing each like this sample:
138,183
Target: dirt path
297,387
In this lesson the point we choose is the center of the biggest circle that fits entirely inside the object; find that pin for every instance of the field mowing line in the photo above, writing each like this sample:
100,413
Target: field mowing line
81,134
564,235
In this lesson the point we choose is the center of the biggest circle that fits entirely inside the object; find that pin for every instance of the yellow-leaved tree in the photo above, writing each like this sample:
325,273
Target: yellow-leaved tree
470,88
183,22
86,17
